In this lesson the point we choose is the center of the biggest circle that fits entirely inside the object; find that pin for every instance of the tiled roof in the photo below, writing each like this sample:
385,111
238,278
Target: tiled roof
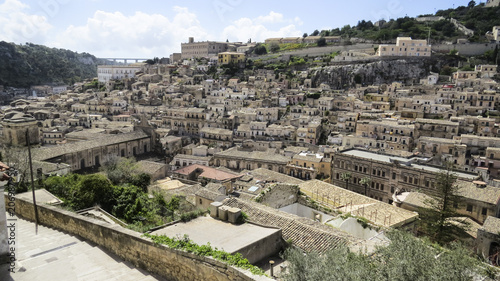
492,225
437,140
209,194
436,121
306,234
208,172
191,157
469,190
256,155
55,151
268,175
150,166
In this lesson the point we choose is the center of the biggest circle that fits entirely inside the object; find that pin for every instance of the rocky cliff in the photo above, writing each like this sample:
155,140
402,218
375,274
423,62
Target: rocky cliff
373,73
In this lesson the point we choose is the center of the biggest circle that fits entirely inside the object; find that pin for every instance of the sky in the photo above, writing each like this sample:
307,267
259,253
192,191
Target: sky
153,28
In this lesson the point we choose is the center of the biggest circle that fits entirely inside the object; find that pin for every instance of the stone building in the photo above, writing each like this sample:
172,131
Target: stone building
215,137
202,49
407,47
488,240
238,158
93,153
436,128
387,174
106,73
231,57
15,125
306,165
492,3
477,200
445,150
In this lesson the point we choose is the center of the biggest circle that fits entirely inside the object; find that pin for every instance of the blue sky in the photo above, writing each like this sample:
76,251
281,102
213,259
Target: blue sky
152,28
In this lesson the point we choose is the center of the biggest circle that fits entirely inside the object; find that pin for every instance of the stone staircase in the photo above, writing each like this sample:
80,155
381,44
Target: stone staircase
55,255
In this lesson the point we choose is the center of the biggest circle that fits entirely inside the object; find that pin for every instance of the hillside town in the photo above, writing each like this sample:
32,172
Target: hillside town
295,148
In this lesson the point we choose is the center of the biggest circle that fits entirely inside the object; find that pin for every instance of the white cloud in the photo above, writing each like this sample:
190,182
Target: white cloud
273,17
16,25
139,35
262,27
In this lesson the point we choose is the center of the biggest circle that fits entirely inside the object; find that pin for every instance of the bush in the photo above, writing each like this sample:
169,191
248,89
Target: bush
260,50
189,246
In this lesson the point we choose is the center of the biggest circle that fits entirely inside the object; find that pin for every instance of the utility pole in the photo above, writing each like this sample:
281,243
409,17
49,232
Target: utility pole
32,184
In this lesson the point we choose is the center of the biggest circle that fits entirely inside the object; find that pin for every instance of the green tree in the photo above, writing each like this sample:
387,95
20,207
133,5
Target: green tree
315,33
142,181
321,42
92,190
260,50
406,258
365,182
274,47
346,177
438,218
120,169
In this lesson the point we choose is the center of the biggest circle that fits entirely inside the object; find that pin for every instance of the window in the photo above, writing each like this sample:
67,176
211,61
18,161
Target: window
393,176
469,208
484,212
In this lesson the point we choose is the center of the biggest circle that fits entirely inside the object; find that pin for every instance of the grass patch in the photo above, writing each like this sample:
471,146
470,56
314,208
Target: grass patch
189,246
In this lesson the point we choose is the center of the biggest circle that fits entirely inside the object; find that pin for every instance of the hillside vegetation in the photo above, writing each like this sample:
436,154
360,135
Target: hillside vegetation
475,17
27,65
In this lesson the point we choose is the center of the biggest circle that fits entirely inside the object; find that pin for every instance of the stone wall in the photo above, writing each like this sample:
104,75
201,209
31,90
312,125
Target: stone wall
129,245
280,195
469,49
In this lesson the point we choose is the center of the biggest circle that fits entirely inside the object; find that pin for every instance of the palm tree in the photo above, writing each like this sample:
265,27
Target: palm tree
365,182
346,177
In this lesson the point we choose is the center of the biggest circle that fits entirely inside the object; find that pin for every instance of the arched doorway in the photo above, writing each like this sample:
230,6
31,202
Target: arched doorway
96,162
494,254
82,164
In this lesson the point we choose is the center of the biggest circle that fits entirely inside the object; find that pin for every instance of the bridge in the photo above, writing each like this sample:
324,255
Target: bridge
125,60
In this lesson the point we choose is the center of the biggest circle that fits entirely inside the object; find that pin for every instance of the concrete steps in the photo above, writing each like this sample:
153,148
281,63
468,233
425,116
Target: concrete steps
55,255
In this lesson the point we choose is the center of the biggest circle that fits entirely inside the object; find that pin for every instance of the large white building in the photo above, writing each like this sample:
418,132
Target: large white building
106,73
405,47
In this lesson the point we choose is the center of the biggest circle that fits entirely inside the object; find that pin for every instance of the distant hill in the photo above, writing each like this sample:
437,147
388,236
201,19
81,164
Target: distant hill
475,17
27,65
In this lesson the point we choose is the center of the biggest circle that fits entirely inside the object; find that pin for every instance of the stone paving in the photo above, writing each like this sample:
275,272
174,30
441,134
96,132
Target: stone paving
54,255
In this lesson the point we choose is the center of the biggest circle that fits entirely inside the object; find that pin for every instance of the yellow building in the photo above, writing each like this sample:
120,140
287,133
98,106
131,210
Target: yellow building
405,47
307,166
231,57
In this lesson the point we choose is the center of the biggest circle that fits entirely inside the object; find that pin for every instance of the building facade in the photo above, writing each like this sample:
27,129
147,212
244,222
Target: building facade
231,57
106,73
384,175
202,49
405,47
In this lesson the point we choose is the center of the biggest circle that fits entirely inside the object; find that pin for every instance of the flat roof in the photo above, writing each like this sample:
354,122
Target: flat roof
222,235
387,158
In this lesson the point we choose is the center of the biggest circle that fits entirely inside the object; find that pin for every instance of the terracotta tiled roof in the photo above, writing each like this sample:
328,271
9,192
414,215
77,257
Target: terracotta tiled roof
492,225
306,234
208,172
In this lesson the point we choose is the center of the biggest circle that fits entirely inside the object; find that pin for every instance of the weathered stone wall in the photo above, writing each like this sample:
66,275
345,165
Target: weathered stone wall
469,49
129,245
281,195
